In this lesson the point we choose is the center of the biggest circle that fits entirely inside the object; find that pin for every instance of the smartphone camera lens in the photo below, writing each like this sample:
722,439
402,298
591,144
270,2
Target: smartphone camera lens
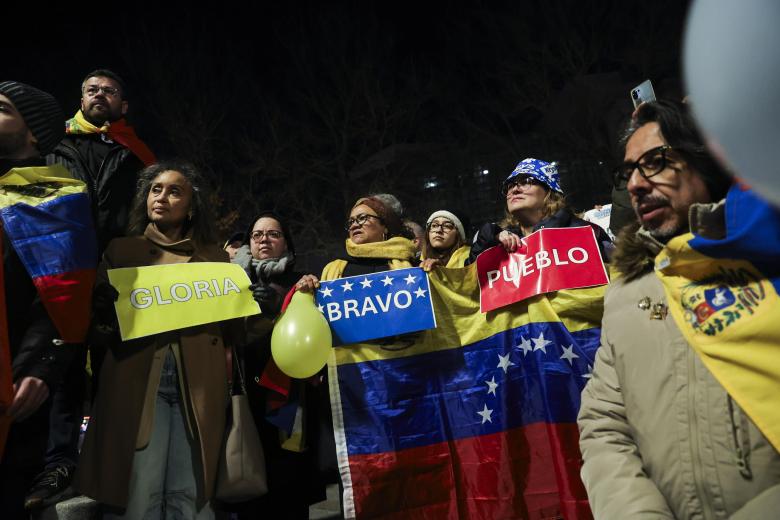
635,94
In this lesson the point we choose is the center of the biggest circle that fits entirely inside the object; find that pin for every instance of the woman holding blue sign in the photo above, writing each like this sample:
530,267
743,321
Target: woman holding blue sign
156,432
534,200
377,241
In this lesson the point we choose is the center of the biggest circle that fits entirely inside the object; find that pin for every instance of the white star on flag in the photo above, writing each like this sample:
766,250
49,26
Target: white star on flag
540,343
326,291
366,283
321,308
420,292
525,345
387,281
486,413
568,354
503,362
347,286
589,374
492,385
410,279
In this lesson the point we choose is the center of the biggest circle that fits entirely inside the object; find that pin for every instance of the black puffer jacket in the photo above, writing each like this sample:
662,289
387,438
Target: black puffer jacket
111,187
486,237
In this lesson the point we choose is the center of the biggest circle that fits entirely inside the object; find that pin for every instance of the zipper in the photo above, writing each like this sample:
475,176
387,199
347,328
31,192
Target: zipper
693,430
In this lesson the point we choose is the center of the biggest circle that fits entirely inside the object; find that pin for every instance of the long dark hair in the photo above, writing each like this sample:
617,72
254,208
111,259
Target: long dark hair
201,223
680,131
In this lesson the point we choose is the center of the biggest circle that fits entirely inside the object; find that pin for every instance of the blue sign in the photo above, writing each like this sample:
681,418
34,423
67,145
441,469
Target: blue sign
378,305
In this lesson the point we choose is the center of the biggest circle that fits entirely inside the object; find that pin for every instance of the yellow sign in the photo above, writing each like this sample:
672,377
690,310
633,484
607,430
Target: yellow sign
160,298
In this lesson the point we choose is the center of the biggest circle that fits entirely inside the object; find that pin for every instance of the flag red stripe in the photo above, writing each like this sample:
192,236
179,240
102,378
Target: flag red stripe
68,298
501,475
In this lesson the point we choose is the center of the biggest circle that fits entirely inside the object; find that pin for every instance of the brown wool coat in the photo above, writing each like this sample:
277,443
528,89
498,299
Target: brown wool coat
106,458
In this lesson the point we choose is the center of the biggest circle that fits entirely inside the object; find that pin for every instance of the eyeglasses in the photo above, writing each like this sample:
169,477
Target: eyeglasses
520,182
93,90
650,163
359,220
447,227
273,234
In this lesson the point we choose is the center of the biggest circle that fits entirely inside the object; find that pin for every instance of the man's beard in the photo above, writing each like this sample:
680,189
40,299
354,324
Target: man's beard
10,144
667,230
99,118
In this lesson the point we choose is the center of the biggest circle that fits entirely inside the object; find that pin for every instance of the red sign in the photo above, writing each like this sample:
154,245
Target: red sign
548,260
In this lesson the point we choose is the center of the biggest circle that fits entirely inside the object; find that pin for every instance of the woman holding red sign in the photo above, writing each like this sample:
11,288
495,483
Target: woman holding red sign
534,200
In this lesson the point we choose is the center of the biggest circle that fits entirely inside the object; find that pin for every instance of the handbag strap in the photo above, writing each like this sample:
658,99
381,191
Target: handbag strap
238,368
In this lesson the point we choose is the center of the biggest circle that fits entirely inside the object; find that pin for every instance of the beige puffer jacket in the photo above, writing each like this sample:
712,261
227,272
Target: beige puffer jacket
660,438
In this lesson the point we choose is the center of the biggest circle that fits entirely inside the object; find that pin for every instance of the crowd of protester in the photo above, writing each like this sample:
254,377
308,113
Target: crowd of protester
660,437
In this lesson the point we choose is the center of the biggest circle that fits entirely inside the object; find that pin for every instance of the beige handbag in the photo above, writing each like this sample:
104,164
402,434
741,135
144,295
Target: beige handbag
241,475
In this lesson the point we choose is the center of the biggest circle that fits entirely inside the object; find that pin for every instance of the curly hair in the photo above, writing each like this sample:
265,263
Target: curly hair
201,224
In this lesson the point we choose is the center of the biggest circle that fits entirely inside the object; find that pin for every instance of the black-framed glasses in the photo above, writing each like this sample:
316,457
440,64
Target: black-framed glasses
360,220
446,227
521,181
93,90
650,163
273,234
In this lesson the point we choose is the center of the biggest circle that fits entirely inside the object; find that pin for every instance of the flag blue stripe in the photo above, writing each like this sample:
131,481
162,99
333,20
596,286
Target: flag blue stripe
55,237
752,234
416,401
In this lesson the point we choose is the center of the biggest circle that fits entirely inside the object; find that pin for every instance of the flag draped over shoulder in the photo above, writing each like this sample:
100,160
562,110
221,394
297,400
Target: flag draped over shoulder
475,419
723,295
47,217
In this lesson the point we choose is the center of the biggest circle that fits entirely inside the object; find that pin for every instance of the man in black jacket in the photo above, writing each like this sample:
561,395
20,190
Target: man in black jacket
102,150
30,126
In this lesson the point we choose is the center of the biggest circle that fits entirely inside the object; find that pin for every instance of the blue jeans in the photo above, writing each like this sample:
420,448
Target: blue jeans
163,483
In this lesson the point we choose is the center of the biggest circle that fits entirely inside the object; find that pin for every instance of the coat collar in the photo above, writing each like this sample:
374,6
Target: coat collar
185,247
636,248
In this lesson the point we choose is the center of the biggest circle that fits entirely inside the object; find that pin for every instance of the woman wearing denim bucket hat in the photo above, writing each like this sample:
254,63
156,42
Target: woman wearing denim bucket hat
534,200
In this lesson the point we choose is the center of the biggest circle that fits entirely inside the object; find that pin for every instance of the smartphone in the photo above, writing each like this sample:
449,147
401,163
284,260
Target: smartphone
643,93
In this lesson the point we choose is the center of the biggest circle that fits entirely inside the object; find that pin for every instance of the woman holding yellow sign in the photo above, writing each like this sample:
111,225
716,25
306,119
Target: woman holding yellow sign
157,427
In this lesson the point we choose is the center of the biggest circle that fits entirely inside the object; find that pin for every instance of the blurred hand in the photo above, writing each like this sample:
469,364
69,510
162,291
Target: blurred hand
308,283
430,263
104,296
509,240
29,395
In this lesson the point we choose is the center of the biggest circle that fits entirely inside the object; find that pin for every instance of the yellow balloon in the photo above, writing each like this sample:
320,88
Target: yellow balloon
301,340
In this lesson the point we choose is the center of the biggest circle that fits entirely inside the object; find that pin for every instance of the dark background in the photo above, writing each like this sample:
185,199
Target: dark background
304,107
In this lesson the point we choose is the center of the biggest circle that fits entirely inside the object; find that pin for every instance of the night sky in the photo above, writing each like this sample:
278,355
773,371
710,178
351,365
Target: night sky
303,107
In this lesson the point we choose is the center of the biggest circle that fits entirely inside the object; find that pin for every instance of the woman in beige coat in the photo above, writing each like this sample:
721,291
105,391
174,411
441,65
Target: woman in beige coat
153,442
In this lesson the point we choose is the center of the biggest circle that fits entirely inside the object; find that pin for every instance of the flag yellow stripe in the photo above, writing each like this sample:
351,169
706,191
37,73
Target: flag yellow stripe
455,294
57,177
741,349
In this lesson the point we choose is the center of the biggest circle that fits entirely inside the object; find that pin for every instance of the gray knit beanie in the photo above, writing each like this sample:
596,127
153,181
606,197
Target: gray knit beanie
40,111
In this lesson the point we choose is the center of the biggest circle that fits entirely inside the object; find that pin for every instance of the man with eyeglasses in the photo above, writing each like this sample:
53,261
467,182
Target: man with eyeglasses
660,437
101,149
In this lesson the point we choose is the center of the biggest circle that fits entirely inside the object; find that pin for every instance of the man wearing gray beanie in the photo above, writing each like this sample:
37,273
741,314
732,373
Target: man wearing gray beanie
31,124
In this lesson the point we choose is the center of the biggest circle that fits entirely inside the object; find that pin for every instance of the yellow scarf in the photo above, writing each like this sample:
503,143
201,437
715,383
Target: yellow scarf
79,125
398,251
727,310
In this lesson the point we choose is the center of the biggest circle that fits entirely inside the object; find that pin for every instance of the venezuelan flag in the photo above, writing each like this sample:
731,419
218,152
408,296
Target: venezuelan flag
723,295
47,217
475,419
